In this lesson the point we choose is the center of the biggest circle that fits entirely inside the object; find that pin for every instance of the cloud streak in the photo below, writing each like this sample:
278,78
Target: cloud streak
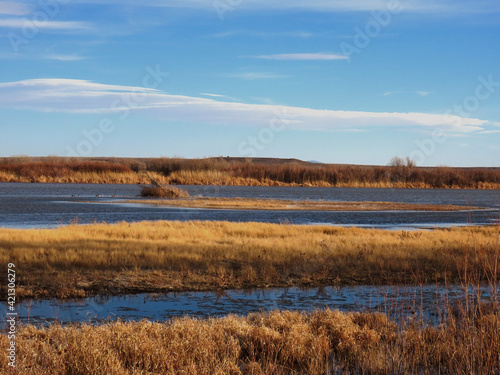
303,56
13,8
19,23
254,75
429,6
60,57
79,96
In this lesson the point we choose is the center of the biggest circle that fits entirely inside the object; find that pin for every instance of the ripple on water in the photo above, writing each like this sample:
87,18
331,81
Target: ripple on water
399,302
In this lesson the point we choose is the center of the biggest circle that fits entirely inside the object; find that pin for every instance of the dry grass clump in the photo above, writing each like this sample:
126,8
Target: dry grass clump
166,256
168,192
280,343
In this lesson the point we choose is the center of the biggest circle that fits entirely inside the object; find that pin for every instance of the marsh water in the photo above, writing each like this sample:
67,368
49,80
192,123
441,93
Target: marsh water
427,303
51,205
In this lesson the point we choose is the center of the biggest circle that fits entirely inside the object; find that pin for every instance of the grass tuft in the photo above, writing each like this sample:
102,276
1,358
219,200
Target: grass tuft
163,192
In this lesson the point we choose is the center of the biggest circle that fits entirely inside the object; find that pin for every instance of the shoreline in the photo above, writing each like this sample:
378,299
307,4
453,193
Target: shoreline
128,179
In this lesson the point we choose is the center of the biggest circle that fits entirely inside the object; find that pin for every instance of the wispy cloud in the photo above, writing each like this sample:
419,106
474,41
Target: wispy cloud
423,93
12,8
303,56
420,93
434,6
254,75
213,95
78,96
263,34
48,56
55,25
390,93
218,96
60,57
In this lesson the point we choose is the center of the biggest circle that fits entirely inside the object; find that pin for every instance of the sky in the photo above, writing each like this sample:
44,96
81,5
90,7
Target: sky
333,81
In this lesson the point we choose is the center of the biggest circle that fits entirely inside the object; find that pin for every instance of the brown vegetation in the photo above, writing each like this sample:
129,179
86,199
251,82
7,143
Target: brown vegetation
289,205
240,171
279,343
81,260
58,170
163,192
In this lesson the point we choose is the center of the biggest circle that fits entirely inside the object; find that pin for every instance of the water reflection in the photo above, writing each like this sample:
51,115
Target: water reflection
400,302
52,205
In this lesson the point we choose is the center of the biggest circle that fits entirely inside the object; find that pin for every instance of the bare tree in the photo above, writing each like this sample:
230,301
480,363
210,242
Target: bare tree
396,161
402,168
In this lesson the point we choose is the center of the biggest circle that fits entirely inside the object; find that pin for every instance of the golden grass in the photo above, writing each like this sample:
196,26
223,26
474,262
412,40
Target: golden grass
219,178
86,178
174,256
289,205
216,177
279,343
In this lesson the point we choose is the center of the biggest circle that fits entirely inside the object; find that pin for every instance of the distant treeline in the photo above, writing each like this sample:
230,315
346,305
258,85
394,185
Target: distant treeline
241,171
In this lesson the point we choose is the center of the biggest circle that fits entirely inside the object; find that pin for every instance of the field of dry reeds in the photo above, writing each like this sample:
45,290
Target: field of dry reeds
55,170
81,260
241,171
279,343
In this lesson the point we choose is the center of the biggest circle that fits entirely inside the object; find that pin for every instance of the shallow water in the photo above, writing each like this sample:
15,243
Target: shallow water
399,302
52,205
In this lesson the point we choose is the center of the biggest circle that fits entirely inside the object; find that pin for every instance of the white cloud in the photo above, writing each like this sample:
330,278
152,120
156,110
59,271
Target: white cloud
263,34
218,96
12,8
303,56
214,95
441,6
423,93
60,57
79,96
390,93
19,23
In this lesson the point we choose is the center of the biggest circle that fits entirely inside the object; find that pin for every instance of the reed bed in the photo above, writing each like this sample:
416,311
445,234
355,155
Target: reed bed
279,343
82,260
244,172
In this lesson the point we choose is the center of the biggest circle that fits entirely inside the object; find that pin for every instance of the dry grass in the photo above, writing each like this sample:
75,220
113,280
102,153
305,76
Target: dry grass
289,205
279,343
243,172
163,192
60,170
84,178
174,256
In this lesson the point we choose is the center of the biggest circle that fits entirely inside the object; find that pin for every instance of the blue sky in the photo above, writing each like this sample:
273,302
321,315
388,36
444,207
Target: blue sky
334,81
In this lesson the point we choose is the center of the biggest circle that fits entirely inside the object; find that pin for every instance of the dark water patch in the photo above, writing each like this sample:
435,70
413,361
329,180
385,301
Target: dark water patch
428,303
